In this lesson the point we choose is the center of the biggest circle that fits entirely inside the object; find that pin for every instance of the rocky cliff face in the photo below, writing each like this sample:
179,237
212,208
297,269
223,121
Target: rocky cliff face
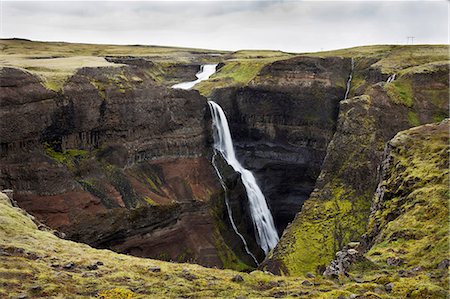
338,208
282,123
117,160
406,244
166,73
114,160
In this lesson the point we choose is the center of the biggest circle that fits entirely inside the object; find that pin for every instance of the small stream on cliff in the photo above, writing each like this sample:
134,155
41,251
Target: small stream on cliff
265,231
349,81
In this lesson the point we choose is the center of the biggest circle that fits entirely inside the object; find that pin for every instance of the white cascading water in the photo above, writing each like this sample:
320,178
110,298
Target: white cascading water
205,72
230,212
391,78
349,81
266,234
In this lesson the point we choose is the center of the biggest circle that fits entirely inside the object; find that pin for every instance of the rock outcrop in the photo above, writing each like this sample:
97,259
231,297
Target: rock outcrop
338,209
410,207
407,236
167,73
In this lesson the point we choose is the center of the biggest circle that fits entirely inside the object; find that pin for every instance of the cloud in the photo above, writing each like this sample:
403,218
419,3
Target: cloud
296,26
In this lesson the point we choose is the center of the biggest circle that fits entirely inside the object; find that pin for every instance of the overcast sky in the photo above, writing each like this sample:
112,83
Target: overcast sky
295,26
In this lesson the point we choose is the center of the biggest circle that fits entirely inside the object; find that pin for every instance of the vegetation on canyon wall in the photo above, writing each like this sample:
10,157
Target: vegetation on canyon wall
409,219
407,228
124,189
36,263
337,211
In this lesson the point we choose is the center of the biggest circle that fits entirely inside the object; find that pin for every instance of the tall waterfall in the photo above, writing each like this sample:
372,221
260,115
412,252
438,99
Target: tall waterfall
266,234
349,81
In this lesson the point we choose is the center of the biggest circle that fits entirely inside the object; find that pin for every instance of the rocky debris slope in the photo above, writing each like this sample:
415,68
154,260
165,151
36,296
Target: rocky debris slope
338,209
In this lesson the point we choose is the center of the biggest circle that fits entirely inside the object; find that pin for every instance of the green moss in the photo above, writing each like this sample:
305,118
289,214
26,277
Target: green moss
231,259
117,81
55,85
116,293
100,87
440,117
151,183
236,73
150,201
227,256
400,91
357,82
413,119
137,79
68,157
337,213
418,187
326,226
412,221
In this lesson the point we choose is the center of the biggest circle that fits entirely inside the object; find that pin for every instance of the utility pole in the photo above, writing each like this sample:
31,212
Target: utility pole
410,38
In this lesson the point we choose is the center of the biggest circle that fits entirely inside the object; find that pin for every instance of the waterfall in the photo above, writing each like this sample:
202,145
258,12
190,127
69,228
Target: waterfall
391,78
230,212
266,234
205,72
349,81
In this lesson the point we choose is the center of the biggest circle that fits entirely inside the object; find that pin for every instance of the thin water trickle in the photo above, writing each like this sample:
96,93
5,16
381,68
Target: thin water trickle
349,81
391,78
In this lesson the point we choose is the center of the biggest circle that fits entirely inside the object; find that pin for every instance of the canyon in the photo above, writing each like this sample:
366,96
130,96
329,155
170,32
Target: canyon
114,157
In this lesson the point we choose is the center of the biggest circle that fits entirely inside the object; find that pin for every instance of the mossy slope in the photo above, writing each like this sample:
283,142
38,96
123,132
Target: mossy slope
410,210
408,227
36,263
337,211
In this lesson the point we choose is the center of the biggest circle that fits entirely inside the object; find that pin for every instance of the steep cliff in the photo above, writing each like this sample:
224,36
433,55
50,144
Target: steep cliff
112,157
407,238
408,221
282,122
337,210
405,250
114,160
